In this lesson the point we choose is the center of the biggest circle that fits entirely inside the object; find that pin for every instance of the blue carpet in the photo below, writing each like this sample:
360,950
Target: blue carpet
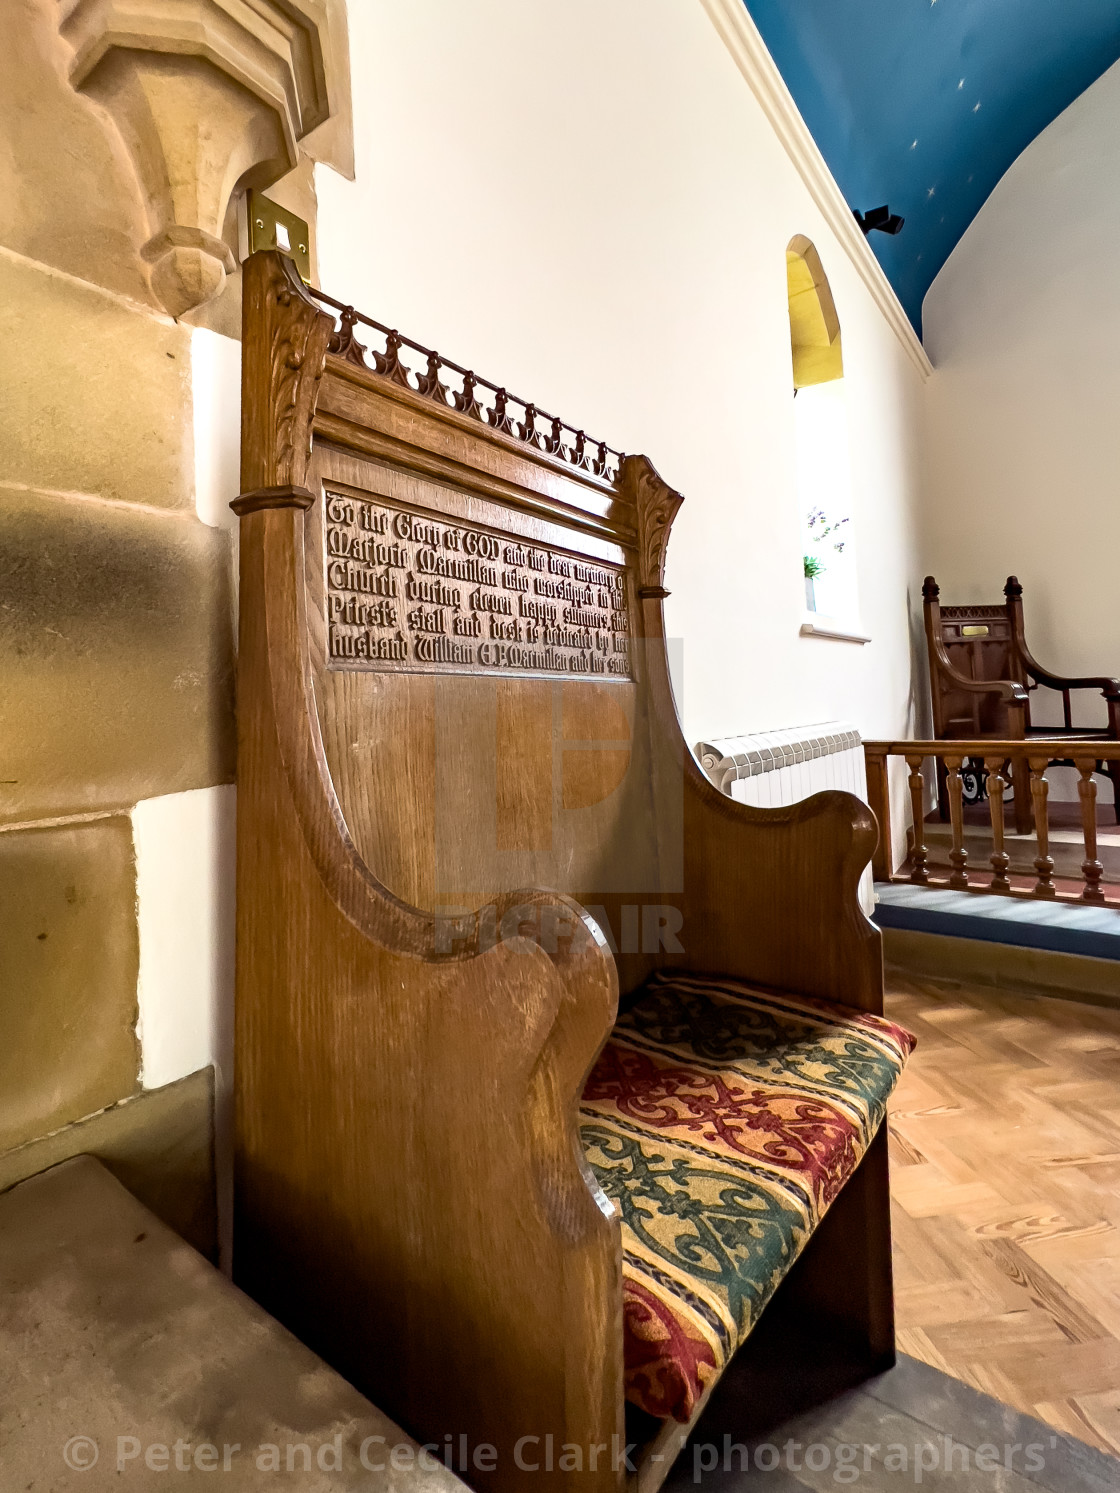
1058,926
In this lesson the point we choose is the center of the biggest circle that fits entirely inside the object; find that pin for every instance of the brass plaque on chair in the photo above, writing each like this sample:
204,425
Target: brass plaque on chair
419,593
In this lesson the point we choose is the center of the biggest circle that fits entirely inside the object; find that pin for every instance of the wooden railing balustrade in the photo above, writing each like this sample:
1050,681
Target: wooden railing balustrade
1000,759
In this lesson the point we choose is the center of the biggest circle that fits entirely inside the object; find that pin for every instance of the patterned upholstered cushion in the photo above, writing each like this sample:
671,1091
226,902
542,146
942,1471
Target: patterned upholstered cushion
723,1122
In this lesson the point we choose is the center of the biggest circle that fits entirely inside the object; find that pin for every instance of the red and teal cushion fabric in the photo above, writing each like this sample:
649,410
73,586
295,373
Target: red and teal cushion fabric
723,1121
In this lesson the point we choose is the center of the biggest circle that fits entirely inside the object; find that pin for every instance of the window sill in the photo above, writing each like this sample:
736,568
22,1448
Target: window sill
816,625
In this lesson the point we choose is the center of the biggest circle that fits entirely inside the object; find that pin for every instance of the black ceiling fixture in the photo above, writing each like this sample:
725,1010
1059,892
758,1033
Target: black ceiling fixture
880,218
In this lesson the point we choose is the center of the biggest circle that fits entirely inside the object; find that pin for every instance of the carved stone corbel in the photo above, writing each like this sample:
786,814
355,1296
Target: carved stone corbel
209,96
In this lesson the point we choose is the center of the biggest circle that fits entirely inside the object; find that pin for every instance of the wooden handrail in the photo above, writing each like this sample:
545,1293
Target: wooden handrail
1030,757
986,746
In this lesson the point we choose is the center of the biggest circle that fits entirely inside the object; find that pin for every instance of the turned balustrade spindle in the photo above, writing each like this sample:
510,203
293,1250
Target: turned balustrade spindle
958,856
1044,861
919,855
1091,868
997,786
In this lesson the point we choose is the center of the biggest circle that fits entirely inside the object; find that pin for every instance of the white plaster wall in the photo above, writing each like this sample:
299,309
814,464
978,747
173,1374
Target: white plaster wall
216,415
1023,326
587,203
184,844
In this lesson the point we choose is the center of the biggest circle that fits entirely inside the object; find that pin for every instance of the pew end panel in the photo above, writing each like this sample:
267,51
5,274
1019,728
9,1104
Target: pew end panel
779,878
770,896
411,1195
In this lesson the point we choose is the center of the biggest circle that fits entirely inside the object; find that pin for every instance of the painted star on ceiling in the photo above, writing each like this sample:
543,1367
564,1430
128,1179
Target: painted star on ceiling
924,104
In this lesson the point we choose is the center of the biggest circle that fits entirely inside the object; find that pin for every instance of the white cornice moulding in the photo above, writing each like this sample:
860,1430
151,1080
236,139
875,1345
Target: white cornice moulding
743,40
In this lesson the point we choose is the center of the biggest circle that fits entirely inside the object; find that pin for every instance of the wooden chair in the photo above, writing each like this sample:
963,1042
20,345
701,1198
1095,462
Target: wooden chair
415,1030
982,675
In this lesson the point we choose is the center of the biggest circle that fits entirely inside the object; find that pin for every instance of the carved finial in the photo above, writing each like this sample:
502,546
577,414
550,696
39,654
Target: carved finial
498,417
388,363
465,402
1013,588
527,430
930,589
656,505
579,455
429,384
555,443
344,344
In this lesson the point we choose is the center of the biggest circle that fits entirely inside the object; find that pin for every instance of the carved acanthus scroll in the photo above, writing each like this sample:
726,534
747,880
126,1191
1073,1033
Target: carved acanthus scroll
656,504
285,353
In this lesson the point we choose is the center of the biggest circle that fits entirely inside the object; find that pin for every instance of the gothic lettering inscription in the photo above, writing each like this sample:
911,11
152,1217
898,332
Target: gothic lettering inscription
412,592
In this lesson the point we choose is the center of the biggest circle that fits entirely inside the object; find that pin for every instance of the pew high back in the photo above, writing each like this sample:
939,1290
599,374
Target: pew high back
468,823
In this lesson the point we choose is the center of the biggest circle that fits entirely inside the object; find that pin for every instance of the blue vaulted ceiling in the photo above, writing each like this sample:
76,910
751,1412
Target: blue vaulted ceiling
924,104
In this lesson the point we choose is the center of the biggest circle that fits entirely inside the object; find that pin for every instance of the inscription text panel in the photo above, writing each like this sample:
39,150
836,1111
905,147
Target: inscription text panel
421,593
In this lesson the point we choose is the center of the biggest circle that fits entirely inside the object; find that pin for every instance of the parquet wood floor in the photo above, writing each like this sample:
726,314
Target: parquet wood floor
1005,1153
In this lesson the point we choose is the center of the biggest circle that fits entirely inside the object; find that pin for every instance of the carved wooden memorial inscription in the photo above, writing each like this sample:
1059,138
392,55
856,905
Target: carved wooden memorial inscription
416,592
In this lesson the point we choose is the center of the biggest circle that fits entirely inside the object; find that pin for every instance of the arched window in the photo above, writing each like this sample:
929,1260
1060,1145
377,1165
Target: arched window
824,484
814,326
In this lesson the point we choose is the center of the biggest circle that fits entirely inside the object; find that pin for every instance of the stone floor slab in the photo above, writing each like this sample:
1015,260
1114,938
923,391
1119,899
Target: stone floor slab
127,1361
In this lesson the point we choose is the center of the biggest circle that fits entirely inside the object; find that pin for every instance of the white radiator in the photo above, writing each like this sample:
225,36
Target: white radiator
772,768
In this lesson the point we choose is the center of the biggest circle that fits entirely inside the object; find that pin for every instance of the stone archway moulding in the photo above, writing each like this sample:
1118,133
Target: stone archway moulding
209,96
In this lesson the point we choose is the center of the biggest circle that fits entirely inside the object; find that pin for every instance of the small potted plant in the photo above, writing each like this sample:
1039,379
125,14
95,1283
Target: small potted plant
813,568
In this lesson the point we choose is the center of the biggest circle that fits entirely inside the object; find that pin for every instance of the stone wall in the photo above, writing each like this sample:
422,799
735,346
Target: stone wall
116,623
118,453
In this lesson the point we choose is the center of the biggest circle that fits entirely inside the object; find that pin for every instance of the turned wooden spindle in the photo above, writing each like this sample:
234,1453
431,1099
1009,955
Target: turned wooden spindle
958,856
997,786
1044,861
1091,868
919,855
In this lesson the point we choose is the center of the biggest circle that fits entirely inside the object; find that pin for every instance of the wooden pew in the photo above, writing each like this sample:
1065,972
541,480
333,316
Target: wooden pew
414,1027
